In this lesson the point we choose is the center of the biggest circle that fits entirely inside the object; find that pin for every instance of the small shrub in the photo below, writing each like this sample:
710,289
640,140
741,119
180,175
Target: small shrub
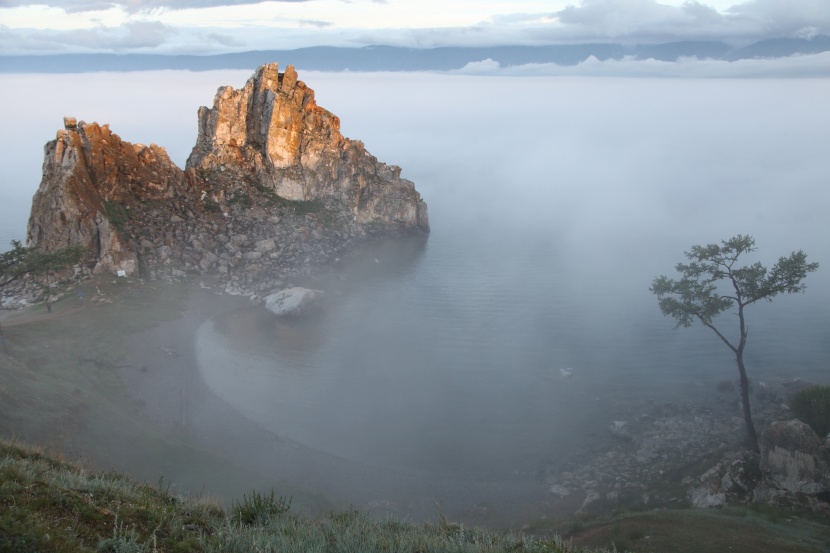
307,206
345,518
812,406
126,540
271,197
210,205
242,199
117,214
259,508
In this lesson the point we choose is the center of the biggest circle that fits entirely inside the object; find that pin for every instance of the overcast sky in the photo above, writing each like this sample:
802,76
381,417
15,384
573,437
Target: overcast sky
215,26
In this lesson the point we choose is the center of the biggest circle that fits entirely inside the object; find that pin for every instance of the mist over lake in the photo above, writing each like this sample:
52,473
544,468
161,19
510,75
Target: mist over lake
554,202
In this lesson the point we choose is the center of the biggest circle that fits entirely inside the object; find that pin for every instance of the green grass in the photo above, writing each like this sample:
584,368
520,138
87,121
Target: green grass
49,505
736,529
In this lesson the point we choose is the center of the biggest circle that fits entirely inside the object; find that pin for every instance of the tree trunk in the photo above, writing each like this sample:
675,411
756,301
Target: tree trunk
750,426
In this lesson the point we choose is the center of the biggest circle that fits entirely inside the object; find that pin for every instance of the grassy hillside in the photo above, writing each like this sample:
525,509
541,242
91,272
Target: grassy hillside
50,505
750,529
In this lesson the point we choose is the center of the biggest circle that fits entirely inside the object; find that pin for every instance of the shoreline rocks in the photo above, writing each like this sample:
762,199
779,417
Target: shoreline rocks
693,454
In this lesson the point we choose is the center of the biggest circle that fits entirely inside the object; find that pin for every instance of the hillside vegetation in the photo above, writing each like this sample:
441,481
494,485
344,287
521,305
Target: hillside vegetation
50,505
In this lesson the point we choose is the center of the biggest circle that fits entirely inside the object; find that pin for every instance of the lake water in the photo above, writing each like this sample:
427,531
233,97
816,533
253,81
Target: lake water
554,202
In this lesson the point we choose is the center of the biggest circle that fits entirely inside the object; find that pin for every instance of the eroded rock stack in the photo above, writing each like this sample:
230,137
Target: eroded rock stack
272,130
90,176
271,190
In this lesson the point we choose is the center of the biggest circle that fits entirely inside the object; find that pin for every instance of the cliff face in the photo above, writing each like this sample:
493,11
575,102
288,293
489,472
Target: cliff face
271,189
273,130
88,174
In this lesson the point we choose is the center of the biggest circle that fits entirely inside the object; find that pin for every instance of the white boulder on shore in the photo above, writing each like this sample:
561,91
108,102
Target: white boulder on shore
293,301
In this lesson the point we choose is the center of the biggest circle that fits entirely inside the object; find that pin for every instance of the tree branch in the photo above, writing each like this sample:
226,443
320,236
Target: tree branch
721,336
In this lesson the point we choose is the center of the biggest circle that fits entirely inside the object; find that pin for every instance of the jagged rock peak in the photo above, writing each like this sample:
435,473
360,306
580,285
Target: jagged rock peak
273,131
272,191
267,118
87,170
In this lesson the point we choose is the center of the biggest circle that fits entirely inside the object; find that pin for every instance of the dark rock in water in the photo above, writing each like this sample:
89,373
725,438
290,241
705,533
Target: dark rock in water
271,191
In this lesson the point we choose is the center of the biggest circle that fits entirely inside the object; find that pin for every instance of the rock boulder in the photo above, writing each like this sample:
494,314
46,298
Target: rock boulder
293,302
794,458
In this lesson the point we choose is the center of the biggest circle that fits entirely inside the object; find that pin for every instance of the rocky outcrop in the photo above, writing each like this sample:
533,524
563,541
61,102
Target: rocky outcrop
731,481
88,175
273,131
654,456
792,472
793,458
272,191
652,447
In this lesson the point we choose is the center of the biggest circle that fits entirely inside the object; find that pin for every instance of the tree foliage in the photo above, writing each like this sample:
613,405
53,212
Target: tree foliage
20,261
812,406
713,282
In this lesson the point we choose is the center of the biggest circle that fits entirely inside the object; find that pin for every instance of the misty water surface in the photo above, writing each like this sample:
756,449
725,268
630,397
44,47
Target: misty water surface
554,202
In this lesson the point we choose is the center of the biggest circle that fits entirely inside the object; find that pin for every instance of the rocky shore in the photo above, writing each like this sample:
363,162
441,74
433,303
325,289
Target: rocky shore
271,192
671,455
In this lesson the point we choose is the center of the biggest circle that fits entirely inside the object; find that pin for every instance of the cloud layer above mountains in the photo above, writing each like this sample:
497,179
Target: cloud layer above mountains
215,26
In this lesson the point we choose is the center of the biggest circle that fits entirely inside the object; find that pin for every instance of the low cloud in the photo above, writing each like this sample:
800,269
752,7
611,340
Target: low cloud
130,36
805,66
805,18
624,21
69,6
315,23
224,40
649,19
134,6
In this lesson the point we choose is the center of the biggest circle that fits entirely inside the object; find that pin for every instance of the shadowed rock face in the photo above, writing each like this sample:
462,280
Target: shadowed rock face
270,167
273,130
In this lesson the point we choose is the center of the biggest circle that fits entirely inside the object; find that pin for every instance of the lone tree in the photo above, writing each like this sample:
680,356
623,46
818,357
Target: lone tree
712,282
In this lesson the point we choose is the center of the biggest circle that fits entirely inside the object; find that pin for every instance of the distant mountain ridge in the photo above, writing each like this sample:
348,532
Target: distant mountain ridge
393,58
